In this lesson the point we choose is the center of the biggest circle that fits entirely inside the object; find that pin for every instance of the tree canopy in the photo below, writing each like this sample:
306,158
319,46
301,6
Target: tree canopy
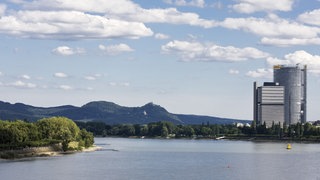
46,131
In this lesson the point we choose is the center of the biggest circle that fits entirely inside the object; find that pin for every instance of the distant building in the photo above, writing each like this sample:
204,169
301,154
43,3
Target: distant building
285,99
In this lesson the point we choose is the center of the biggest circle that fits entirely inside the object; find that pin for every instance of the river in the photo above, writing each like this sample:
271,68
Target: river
146,159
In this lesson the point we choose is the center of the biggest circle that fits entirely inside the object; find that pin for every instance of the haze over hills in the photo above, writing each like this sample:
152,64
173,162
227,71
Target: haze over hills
107,112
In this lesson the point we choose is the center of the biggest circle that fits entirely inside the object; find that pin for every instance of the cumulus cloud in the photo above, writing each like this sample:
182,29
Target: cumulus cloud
298,57
161,36
60,75
116,49
196,3
195,51
69,25
65,87
67,51
261,73
282,42
21,84
251,6
272,26
122,84
127,11
276,31
291,59
90,19
25,76
90,78
312,17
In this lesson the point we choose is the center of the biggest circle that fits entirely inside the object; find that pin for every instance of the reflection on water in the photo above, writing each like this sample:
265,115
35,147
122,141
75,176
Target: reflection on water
173,159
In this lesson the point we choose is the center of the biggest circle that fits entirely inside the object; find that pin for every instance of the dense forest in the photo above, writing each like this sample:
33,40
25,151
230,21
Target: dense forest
298,131
44,132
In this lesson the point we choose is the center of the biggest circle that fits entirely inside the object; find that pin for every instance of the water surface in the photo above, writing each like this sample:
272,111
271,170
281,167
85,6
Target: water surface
145,159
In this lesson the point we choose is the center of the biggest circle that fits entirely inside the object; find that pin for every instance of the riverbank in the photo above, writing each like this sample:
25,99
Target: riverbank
260,138
274,139
46,151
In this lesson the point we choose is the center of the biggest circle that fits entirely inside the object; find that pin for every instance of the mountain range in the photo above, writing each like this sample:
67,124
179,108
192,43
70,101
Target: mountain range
107,112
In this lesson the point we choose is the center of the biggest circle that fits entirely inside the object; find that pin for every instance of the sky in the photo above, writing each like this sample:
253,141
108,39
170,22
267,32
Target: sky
189,56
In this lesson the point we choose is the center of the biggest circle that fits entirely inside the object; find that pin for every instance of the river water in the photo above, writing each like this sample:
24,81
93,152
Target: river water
146,159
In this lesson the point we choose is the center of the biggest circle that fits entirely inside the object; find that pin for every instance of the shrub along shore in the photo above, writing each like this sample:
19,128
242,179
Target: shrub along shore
48,136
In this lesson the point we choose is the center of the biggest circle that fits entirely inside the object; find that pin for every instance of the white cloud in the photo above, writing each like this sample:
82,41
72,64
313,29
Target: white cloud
60,75
312,17
272,26
65,87
261,73
69,25
196,3
251,6
275,31
169,15
291,59
25,76
234,71
281,42
195,51
298,57
116,49
21,84
90,78
91,19
161,36
122,84
127,11
67,51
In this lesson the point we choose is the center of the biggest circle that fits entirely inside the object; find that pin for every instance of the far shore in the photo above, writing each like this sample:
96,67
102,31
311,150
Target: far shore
232,138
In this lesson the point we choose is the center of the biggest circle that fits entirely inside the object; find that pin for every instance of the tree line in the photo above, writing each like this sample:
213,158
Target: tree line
300,131
159,129
47,131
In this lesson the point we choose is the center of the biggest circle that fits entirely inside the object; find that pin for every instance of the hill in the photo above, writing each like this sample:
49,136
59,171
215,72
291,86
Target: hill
107,112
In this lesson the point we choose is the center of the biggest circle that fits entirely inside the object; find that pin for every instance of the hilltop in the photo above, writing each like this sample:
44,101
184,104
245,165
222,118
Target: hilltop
107,112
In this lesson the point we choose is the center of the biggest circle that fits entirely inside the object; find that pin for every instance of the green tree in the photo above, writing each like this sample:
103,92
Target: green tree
205,131
144,130
86,137
188,131
58,128
164,131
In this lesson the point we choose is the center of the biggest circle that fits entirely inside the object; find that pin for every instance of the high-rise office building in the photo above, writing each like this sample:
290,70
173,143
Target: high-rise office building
285,99
269,101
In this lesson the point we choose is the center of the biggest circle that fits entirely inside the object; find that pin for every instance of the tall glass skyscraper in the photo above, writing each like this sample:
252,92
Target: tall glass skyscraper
284,99
294,79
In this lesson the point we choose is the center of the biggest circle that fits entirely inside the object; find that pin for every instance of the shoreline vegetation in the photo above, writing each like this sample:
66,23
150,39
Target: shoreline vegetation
48,136
59,135
306,132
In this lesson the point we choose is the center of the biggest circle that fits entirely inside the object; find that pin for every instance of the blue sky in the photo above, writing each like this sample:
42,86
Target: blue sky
189,56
